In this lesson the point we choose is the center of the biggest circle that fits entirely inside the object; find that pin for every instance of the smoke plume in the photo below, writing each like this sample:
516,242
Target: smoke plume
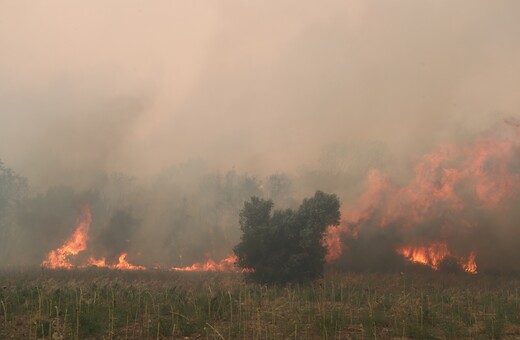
164,117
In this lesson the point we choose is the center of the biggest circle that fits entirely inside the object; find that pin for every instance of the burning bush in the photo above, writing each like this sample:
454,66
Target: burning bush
286,245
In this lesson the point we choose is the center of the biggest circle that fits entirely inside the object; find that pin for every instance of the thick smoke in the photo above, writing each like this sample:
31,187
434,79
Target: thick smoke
164,117
459,206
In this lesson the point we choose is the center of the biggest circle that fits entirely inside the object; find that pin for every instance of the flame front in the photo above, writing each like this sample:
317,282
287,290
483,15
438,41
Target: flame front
444,198
431,255
60,258
124,265
225,265
448,190
93,262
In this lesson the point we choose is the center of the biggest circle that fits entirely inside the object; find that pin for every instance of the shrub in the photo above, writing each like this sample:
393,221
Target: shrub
286,245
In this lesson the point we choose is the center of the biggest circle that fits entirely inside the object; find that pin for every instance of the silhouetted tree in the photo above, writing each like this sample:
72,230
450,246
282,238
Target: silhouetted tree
287,245
13,192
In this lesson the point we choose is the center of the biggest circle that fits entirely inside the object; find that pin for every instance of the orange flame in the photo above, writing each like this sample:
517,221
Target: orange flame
225,265
124,265
60,258
333,243
432,256
471,266
93,262
121,265
451,179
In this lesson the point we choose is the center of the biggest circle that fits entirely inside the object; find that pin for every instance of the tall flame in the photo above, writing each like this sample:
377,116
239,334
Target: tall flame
60,258
449,185
471,265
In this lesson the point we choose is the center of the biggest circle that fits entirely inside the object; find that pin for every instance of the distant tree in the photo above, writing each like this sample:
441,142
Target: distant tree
13,188
287,245
13,191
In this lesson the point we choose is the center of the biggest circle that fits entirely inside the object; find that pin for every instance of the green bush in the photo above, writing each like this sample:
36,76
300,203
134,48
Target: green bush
287,245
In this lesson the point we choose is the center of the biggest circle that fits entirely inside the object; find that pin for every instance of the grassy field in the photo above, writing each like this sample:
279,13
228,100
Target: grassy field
105,304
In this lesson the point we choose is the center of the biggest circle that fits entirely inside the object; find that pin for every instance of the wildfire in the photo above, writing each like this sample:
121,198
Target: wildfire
471,266
225,265
124,265
61,258
450,187
333,243
433,255
353,215
121,265
451,192
93,262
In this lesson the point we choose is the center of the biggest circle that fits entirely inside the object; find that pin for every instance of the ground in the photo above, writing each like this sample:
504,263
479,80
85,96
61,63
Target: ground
109,304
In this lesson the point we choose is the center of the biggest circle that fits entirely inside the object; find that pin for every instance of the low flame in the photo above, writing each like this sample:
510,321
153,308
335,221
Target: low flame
225,265
432,256
93,262
61,258
121,265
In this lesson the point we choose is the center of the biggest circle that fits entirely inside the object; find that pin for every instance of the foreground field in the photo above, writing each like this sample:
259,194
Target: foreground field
105,304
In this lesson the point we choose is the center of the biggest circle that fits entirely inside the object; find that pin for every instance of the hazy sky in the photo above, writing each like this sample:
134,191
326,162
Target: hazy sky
88,87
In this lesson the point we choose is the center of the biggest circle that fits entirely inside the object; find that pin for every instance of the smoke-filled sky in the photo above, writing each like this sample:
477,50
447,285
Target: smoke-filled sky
90,87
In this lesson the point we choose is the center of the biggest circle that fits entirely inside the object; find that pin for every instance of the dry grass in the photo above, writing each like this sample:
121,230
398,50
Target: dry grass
104,304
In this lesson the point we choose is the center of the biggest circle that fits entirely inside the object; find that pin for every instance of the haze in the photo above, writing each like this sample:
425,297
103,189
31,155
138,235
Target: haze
90,88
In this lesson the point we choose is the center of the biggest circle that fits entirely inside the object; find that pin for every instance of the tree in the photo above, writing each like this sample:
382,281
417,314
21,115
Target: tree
13,191
286,245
